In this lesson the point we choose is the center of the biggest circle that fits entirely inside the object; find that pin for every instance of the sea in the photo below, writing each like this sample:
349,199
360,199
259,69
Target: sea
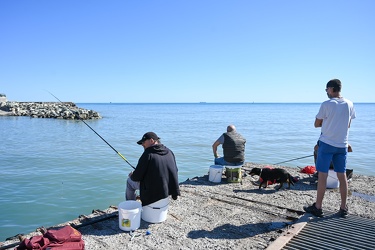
53,170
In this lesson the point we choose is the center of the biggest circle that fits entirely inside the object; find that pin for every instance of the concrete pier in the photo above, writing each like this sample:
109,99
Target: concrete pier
221,215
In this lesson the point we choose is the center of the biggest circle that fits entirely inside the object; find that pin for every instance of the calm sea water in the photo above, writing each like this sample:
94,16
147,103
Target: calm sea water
54,170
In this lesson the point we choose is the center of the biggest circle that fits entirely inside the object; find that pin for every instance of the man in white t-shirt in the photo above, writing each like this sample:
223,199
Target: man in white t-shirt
334,118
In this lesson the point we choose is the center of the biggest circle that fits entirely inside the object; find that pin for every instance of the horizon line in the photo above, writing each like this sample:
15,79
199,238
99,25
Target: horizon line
214,102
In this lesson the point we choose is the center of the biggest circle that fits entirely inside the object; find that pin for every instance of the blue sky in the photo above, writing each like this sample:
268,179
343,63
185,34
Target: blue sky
186,50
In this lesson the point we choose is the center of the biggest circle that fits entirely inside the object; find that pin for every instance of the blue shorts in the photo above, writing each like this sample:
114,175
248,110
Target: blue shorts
328,153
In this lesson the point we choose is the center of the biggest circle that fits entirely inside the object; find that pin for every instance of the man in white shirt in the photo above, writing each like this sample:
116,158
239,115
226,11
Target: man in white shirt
334,118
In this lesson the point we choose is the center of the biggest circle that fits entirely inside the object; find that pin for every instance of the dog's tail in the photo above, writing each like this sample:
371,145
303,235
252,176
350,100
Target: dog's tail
291,179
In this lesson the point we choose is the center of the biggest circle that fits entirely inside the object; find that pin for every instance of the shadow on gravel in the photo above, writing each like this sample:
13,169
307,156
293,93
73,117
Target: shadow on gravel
203,181
229,231
303,184
108,227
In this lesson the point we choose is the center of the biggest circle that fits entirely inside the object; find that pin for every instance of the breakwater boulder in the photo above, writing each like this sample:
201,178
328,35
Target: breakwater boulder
59,110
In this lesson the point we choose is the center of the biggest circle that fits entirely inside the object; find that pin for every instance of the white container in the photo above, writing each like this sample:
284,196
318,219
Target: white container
129,215
215,173
156,212
332,180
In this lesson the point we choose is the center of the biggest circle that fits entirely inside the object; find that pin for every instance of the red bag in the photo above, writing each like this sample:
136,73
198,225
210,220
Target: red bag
65,234
308,170
66,238
36,242
79,245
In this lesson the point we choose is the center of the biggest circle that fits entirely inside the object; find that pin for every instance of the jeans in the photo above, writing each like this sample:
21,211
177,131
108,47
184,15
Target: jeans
221,161
131,189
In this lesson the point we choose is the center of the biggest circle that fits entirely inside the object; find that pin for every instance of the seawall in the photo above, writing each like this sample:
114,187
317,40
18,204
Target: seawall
59,110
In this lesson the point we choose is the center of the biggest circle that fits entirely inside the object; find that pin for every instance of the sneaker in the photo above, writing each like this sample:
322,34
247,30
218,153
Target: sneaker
313,210
343,212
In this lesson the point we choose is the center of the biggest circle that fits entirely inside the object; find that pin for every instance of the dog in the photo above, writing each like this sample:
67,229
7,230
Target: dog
273,175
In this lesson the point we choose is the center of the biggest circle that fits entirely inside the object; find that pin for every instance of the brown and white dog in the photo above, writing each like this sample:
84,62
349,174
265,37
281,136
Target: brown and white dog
273,175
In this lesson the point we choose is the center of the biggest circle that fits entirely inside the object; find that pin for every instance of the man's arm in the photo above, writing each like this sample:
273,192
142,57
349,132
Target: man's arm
139,171
214,148
318,122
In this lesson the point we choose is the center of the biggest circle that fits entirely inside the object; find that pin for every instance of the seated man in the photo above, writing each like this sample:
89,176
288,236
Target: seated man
233,148
156,174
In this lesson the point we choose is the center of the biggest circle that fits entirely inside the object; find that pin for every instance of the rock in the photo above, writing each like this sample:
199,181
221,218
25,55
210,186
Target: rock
66,110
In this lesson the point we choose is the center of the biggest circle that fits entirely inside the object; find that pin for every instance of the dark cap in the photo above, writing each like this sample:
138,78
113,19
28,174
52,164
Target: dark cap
148,135
335,84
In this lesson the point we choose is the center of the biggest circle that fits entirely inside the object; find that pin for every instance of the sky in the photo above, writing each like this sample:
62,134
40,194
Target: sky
168,51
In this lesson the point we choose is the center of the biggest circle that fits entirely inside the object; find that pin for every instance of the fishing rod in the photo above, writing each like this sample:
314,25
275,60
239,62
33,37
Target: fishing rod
293,159
93,130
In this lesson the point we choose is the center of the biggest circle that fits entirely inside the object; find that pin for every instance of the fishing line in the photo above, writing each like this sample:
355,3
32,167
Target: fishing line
62,190
293,159
74,112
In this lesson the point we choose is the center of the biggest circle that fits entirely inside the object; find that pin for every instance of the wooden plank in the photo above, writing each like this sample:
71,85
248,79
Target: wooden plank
280,242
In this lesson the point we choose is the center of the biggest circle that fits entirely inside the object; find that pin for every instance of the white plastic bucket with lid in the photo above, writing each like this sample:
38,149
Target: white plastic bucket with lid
332,180
156,212
129,215
215,173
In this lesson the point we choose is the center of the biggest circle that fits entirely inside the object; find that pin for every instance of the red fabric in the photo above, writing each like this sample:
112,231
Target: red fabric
65,234
66,238
67,246
36,242
270,182
308,170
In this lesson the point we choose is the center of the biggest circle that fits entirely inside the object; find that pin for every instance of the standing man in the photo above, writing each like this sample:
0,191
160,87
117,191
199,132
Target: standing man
233,148
156,174
334,118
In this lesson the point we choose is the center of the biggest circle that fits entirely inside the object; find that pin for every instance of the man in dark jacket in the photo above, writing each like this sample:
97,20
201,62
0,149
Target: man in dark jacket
233,148
156,174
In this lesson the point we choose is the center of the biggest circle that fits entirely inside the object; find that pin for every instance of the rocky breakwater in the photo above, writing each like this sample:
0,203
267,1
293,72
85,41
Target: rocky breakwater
59,110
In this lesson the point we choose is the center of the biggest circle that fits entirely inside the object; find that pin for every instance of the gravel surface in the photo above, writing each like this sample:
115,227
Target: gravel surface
224,215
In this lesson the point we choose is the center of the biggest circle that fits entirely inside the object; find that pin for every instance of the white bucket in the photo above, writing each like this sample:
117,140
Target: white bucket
156,212
216,171
129,215
332,180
